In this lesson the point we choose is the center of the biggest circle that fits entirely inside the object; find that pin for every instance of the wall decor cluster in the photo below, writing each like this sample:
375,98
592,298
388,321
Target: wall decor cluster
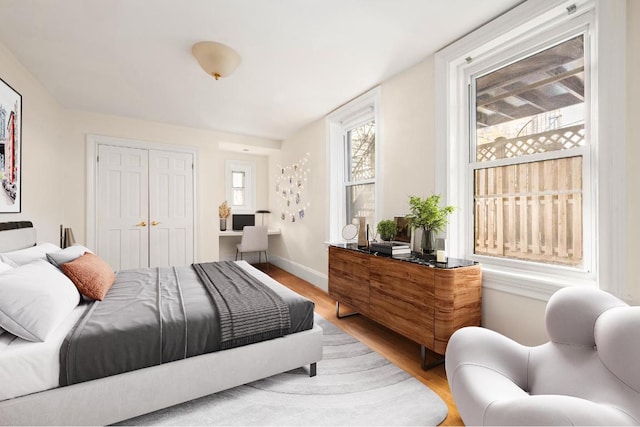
290,187
10,145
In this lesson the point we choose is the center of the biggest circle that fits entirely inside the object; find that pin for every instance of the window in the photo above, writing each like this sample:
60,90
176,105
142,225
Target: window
529,126
353,147
240,186
360,174
528,149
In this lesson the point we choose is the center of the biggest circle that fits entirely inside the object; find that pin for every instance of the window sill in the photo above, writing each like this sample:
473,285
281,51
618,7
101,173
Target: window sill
527,284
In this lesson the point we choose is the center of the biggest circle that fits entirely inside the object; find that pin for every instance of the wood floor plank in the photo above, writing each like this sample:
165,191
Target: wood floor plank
396,348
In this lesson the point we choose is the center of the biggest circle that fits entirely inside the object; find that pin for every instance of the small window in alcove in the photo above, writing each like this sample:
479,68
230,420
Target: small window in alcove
240,186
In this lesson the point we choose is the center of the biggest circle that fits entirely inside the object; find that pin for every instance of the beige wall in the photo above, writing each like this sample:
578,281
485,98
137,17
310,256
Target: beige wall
518,317
54,161
43,182
54,174
407,135
633,148
302,243
407,138
408,163
210,190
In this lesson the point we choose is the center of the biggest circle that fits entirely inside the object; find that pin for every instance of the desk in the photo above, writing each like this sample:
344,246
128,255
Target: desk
227,233
227,241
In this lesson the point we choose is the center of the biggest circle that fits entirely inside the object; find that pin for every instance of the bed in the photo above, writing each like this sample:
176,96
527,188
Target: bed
30,372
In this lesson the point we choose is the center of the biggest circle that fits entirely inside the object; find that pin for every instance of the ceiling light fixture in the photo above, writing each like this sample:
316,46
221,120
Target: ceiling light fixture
216,59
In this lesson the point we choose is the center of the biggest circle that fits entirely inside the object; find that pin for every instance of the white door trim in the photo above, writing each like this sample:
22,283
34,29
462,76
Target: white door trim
93,141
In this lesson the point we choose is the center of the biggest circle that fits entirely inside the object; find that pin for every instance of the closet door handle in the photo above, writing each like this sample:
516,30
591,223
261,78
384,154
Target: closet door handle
154,223
141,224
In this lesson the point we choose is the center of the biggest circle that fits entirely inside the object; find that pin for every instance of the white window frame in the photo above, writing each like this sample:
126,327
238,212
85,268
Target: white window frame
352,114
248,168
535,22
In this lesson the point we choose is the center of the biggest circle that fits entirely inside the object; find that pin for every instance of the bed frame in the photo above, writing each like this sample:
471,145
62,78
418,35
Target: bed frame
120,397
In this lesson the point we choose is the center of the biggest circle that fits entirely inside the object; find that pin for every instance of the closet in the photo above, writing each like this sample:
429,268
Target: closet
144,205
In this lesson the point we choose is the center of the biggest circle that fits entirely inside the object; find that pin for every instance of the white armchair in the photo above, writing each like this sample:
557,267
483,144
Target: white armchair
588,374
254,239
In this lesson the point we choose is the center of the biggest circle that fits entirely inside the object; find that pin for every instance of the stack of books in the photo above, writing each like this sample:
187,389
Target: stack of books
390,248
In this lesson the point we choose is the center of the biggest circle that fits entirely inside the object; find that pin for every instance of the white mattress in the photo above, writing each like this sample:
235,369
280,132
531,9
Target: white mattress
29,367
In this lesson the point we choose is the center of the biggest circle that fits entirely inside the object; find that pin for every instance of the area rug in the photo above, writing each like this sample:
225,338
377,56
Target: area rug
354,386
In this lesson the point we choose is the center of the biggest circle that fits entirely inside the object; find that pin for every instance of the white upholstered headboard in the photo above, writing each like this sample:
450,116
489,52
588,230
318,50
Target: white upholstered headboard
16,235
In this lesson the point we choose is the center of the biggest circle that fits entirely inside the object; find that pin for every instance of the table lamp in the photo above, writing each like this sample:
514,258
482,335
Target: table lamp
263,211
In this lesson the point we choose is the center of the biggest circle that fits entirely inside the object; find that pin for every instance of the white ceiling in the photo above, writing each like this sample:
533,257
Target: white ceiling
300,58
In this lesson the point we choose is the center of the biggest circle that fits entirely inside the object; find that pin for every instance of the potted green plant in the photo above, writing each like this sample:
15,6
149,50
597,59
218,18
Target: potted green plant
387,229
430,216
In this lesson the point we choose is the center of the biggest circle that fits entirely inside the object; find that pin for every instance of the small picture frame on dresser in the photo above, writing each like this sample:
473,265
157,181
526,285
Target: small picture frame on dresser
404,231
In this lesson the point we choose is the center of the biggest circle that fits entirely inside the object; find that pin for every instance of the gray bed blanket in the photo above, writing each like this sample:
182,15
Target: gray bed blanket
157,315
248,311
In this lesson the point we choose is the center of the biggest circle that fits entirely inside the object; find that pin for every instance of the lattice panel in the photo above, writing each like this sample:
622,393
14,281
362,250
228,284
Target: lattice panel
555,140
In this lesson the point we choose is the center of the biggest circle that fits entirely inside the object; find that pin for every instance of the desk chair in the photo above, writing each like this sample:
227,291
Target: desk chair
254,239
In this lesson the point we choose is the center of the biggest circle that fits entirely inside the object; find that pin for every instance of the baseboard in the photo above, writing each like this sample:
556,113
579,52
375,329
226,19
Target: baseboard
319,280
312,276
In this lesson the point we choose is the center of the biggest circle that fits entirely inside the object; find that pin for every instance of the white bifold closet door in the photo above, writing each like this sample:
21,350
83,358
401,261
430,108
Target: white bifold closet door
144,207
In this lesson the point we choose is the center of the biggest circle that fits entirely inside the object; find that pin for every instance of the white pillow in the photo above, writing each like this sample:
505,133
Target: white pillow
66,255
25,256
34,299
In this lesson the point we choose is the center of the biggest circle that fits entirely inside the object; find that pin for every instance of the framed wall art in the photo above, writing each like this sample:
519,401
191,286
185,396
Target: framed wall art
10,148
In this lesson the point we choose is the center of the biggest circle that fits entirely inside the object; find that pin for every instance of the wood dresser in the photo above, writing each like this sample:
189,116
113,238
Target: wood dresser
423,300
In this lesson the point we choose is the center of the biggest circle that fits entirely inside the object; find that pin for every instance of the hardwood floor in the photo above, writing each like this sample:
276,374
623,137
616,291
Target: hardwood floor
399,350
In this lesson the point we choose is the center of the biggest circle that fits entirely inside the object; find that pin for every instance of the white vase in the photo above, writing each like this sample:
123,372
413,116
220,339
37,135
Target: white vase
223,224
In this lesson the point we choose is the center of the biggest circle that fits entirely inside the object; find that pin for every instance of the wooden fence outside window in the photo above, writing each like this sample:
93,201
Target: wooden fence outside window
531,211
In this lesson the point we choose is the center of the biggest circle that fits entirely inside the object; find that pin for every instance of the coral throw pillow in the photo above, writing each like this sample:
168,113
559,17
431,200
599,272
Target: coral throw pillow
91,274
